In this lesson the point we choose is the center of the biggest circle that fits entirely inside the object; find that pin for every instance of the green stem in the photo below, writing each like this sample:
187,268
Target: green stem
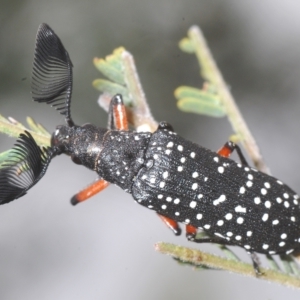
196,257
211,72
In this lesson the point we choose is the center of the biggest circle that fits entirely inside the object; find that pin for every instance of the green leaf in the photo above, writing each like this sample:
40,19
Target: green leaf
36,127
111,67
112,88
187,45
199,101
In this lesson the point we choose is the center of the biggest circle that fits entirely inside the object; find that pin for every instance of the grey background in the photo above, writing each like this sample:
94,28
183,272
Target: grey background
103,249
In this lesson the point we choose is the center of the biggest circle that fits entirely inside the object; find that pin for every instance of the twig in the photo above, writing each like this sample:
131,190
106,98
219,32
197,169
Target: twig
211,72
196,257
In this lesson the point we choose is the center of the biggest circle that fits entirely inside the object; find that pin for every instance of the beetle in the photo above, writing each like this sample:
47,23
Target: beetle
233,203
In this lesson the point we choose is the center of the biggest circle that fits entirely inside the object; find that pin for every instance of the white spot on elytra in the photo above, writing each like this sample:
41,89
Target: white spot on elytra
238,237
177,213
168,151
293,219
286,195
283,236
194,186
216,159
195,175
275,222
242,190
200,196
170,144
165,174
240,209
279,182
263,191
265,217
160,196
179,169
169,199
220,222
257,200
228,216
267,185
206,226
176,201
221,169
180,148
155,156
239,165
279,200
206,178
240,220
162,184
199,216
152,180
192,154
222,198
281,244
250,176
267,204
249,233
265,246
229,233
164,206
187,221
193,204
247,247
286,204
249,183
246,169
182,159
296,202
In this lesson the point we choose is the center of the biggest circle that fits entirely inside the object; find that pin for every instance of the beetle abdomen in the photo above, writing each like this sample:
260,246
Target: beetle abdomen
191,184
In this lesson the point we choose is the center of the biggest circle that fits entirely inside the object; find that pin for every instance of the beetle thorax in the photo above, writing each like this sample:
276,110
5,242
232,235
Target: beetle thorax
82,143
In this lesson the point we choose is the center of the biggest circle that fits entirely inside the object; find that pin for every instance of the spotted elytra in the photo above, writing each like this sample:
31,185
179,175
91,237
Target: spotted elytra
181,181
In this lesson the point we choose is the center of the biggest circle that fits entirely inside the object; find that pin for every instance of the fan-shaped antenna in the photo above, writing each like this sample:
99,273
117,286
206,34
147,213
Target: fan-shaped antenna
52,77
26,165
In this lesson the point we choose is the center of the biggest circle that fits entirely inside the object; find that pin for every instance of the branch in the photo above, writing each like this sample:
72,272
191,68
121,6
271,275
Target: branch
199,258
196,43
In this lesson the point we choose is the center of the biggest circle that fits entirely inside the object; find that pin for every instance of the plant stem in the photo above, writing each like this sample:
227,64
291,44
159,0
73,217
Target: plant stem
197,258
211,72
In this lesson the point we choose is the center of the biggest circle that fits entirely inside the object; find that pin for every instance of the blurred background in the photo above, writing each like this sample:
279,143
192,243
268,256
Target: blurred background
104,248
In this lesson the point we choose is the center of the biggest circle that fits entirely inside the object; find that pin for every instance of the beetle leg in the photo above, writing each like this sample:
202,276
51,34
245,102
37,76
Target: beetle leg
228,148
165,125
190,231
256,263
117,118
173,225
89,191
253,255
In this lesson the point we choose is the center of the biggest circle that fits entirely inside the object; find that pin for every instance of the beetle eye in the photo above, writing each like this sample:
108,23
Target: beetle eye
76,160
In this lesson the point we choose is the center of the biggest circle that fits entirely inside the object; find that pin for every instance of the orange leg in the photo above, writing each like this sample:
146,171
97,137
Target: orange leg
228,148
190,231
117,114
173,225
89,191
